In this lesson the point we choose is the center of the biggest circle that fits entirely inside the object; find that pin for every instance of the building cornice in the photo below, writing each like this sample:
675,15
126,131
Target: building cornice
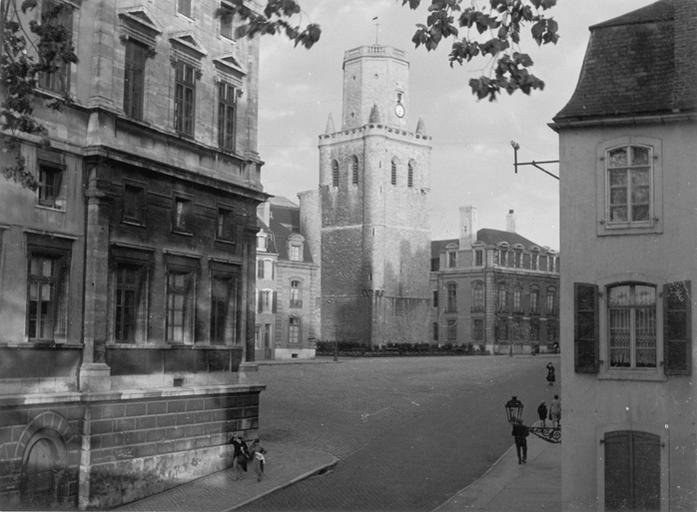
635,120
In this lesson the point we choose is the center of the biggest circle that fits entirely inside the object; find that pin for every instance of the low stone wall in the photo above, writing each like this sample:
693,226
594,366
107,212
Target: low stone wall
101,450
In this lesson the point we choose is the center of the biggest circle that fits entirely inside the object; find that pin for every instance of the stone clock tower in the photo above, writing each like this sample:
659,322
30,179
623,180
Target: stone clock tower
373,207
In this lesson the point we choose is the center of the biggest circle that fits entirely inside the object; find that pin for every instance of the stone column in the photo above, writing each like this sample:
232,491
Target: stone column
102,65
94,372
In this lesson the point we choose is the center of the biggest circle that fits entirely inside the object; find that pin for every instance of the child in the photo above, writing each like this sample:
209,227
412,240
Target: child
258,452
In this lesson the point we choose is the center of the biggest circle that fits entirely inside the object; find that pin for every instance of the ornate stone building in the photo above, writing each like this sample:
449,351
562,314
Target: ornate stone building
371,206
288,286
494,289
127,279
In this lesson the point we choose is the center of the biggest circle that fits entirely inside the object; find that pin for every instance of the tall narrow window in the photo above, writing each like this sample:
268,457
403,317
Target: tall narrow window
435,298
410,174
393,172
223,309
477,329
435,331
452,259
335,173
451,330
227,107
184,99
451,297
226,25
50,181
295,298
182,215
517,303
133,204
134,79
180,307
57,16
293,330
354,170
477,296
629,184
479,258
225,228
47,296
551,300
502,298
129,303
534,300
632,326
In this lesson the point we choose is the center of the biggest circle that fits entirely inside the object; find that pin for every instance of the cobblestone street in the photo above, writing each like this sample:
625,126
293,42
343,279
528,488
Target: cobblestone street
409,432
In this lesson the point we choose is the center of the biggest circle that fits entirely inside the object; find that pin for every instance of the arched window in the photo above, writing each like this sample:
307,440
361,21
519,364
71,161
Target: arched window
354,170
410,174
335,173
393,172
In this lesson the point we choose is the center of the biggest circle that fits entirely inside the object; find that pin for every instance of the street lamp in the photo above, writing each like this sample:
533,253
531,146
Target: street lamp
514,414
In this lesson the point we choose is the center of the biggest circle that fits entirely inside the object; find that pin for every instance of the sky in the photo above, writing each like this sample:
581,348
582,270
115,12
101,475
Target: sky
471,157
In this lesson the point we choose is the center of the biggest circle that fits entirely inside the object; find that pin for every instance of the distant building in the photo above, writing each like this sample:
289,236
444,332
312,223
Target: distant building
628,187
494,289
288,306
127,280
371,208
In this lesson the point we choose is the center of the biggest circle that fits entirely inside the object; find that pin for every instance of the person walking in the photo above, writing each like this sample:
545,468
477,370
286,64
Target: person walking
240,455
520,433
258,458
551,378
542,413
555,411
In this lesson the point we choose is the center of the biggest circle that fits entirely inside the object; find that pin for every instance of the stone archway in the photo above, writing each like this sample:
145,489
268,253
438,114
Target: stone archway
43,469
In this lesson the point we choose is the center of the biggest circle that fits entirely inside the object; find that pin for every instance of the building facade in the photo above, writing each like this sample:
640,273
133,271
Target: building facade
288,306
495,290
127,279
627,150
371,207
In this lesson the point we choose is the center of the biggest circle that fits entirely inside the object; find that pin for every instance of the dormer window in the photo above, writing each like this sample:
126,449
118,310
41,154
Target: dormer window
295,247
262,241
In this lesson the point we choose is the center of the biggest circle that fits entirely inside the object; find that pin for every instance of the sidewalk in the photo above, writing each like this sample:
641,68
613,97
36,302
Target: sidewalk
218,492
510,487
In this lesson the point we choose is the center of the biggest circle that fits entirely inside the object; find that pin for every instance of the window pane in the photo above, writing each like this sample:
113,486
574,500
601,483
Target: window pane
618,158
640,156
618,214
618,178
618,196
620,342
645,328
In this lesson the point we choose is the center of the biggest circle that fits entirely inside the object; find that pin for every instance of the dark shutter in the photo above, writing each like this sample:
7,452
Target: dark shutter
260,301
618,471
677,342
586,350
274,300
646,466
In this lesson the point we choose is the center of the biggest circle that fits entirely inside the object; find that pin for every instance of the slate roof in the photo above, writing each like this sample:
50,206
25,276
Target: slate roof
488,236
640,63
285,220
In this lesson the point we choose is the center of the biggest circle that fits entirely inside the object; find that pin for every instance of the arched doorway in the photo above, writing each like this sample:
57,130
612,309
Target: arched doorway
43,469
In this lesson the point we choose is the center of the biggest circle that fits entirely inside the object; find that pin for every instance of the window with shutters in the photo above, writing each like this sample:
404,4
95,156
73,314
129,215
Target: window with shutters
631,318
586,342
266,301
677,315
134,78
632,471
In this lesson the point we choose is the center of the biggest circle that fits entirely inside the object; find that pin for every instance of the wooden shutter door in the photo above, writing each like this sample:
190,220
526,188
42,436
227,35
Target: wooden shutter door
646,462
586,349
618,477
677,339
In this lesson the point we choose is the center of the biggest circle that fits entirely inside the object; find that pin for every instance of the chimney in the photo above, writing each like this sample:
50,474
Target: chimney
264,212
510,221
468,226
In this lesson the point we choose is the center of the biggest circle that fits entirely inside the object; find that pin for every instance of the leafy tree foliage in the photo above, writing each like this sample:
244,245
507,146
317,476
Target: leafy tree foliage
489,29
31,44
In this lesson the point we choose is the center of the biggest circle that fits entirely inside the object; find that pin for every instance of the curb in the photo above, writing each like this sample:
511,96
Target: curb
317,471
489,470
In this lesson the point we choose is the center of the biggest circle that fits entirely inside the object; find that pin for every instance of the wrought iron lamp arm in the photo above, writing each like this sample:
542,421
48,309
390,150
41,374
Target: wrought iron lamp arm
517,164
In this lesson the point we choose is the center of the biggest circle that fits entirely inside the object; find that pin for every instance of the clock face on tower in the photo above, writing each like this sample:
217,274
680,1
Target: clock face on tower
399,110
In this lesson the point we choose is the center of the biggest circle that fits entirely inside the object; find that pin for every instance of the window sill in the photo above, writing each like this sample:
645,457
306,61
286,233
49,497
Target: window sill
626,228
226,241
634,374
132,222
56,209
182,233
